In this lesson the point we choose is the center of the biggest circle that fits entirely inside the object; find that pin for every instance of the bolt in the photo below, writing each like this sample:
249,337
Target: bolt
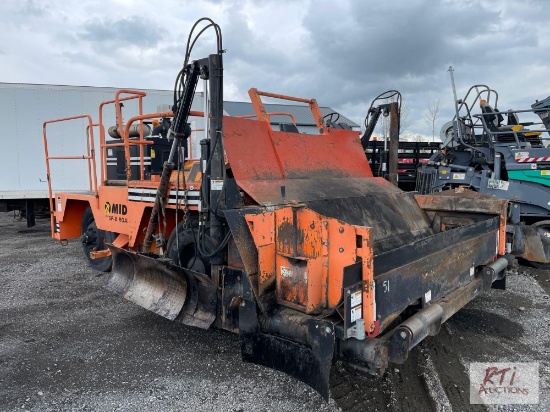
327,330
312,226
341,230
349,292
341,249
403,335
325,223
371,327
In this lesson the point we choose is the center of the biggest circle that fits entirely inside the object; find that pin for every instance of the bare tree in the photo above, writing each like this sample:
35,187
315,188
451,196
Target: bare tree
383,126
405,117
431,115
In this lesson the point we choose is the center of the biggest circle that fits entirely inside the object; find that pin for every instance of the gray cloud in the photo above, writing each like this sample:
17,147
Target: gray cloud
343,53
363,48
33,8
134,30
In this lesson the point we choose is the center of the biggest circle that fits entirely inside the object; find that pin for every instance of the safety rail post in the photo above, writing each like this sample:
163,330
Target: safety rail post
122,132
90,156
133,94
261,113
88,128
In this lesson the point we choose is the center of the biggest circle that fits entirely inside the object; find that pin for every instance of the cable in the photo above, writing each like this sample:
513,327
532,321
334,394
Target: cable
178,87
178,95
385,96
177,202
223,244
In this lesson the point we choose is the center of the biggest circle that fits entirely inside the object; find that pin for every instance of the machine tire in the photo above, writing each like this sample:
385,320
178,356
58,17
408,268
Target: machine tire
544,224
187,256
94,239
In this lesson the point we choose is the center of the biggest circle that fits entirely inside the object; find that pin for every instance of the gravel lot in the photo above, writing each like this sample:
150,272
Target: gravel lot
68,344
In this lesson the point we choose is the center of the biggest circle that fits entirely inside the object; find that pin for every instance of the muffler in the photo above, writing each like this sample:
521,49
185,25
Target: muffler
166,289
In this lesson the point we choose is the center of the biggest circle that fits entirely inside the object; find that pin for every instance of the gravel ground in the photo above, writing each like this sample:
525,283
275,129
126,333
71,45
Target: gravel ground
68,344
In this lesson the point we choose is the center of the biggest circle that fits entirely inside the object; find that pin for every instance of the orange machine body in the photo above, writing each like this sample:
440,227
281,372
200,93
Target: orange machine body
305,266
302,252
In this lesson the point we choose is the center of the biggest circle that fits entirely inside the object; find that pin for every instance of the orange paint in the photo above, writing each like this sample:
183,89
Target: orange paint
310,252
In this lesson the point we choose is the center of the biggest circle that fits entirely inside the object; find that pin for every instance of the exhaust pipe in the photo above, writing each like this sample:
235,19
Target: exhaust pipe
427,322
161,287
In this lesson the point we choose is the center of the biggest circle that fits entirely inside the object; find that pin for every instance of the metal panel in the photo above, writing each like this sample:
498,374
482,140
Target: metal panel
433,276
257,153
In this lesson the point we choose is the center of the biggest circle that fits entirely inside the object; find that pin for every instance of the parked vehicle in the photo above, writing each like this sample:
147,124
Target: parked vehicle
504,159
282,237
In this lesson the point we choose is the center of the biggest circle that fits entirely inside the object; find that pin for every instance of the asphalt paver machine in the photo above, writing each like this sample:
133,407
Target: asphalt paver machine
283,237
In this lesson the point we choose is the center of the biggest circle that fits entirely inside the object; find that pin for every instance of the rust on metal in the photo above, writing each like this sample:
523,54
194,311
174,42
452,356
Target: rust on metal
310,252
470,202
394,144
262,228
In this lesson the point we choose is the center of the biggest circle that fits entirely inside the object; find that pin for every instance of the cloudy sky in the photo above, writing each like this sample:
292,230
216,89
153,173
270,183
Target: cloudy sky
343,53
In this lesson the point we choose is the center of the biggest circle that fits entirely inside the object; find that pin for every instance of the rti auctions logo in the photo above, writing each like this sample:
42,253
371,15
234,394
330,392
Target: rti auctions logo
504,383
500,381
115,209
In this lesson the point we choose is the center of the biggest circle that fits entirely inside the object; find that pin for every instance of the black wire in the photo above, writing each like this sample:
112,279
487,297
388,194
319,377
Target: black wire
384,96
180,79
223,244
178,95
177,203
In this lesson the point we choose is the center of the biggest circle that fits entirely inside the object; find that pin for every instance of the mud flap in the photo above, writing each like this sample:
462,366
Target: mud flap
160,286
309,363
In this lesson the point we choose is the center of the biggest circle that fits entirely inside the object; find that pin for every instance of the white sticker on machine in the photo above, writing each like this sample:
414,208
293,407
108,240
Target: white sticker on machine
497,184
356,298
520,155
216,184
286,272
59,204
459,176
355,313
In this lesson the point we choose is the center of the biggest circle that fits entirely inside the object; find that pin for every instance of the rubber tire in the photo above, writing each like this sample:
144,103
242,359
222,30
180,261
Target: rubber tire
546,225
102,237
187,251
